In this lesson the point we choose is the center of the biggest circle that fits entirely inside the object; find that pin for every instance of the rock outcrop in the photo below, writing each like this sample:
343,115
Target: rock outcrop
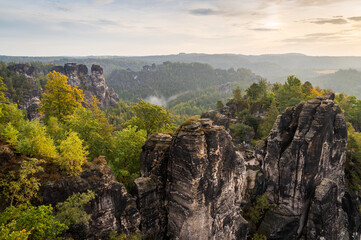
194,182
92,84
113,208
30,98
303,172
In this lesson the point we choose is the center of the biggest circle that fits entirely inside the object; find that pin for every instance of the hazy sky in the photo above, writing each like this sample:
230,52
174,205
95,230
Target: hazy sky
153,27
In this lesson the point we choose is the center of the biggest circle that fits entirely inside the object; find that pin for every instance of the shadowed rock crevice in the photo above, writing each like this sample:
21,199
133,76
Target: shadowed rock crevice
304,175
204,184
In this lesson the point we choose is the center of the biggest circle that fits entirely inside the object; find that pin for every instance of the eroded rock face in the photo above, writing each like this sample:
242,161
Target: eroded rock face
113,209
92,84
303,172
30,98
201,188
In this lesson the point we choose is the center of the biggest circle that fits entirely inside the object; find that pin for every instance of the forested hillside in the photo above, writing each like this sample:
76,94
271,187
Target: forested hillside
72,138
186,88
345,81
273,67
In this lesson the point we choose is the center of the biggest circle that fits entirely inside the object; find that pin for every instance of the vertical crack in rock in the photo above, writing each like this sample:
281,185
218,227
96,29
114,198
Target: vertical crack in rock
205,182
303,162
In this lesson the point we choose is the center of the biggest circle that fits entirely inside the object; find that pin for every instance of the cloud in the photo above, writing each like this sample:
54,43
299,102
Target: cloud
355,18
103,2
306,3
329,20
263,29
318,37
204,12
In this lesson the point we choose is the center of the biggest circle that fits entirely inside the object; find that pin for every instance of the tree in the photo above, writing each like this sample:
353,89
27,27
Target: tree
26,221
237,94
151,118
219,104
127,148
93,131
34,141
72,154
59,98
11,134
3,98
269,120
290,93
72,210
23,185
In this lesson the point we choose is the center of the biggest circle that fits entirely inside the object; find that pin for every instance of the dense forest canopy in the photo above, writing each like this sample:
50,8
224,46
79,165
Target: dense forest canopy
73,133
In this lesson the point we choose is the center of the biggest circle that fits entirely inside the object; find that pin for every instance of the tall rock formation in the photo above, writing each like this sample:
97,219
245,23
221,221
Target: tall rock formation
303,172
93,84
31,97
192,185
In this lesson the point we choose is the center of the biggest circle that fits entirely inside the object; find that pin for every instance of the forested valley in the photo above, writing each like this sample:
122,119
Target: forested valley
71,134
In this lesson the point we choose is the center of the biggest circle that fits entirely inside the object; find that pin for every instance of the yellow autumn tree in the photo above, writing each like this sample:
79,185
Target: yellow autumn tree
59,98
72,154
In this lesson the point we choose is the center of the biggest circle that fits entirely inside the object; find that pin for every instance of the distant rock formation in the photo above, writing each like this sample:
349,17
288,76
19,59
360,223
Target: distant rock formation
192,185
93,84
30,101
21,68
303,173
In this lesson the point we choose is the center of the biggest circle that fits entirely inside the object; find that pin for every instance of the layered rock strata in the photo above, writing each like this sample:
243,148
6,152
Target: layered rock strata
200,180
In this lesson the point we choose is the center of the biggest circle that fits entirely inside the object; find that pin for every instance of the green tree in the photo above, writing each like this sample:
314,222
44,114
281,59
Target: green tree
151,118
127,148
72,210
269,120
72,154
3,98
26,221
290,93
10,113
257,210
35,142
237,94
240,130
3,88
59,98
11,134
97,137
55,129
22,185
219,104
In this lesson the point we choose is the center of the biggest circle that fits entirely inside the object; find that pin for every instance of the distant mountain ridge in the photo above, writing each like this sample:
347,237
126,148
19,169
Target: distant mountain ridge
273,67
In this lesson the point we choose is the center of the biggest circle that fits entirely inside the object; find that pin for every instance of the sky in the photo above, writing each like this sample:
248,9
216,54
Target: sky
157,27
